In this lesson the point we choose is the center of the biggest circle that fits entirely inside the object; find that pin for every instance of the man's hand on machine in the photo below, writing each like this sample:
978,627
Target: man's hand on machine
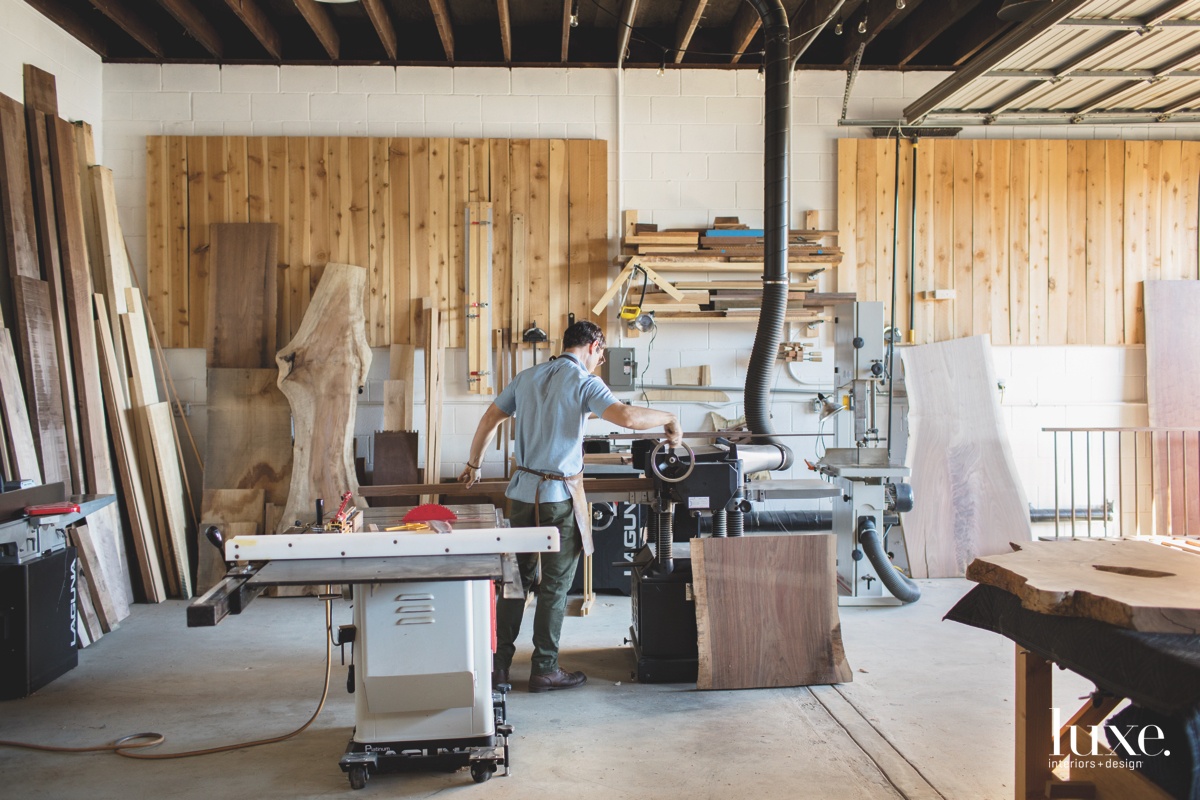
469,475
674,433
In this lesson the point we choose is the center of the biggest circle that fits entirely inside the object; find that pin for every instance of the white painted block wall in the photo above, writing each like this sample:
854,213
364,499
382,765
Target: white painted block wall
27,37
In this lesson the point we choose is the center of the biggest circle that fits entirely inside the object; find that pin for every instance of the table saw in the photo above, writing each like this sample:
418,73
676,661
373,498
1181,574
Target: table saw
422,635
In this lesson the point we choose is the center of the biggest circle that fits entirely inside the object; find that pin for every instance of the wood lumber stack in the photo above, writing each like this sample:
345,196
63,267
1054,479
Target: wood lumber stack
77,374
726,261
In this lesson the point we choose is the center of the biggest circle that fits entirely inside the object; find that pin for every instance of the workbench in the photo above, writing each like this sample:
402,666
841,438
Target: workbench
1159,673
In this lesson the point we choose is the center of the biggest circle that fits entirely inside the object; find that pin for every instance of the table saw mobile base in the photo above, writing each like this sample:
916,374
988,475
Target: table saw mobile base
421,639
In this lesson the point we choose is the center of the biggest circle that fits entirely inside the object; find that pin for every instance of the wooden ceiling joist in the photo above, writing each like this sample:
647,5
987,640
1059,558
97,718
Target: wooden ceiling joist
445,28
505,30
625,29
566,28
745,25
259,24
196,25
383,26
318,18
131,22
72,23
873,24
810,20
918,32
685,27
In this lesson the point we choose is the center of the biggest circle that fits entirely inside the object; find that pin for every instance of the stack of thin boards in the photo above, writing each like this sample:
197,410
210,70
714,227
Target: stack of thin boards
71,374
248,469
732,255
394,449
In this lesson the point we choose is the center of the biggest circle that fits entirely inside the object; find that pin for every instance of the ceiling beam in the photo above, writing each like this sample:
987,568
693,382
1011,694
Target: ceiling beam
383,26
874,25
445,28
566,29
130,22
689,19
625,28
257,22
1010,43
745,25
196,25
318,18
72,23
505,29
809,21
919,30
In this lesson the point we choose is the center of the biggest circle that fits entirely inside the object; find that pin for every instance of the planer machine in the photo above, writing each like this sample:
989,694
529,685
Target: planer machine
422,635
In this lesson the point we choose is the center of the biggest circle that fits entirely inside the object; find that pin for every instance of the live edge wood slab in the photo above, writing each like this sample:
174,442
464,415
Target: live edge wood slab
1131,584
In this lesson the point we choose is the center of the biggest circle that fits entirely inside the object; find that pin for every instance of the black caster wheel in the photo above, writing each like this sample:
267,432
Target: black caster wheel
482,771
358,777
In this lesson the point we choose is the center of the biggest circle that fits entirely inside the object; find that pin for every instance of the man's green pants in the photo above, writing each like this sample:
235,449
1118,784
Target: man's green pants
558,571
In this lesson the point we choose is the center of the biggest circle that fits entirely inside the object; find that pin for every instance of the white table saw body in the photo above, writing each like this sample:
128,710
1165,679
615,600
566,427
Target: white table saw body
423,661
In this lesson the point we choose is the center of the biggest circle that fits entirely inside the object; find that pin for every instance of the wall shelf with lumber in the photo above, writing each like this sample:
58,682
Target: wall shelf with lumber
1029,241
392,205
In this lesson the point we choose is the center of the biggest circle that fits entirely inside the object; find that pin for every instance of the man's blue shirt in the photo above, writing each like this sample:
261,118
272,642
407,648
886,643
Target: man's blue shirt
550,404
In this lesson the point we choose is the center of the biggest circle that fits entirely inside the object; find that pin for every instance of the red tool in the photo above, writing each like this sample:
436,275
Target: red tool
430,511
52,509
340,516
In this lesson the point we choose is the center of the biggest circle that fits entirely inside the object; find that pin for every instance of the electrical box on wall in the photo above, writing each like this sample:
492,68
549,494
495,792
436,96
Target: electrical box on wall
620,370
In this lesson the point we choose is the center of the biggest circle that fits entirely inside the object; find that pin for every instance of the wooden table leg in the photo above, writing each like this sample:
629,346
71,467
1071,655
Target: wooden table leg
1035,733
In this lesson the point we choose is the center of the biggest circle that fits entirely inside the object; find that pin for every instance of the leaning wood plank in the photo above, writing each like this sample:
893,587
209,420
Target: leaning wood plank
395,456
690,376
766,612
16,417
1136,585
320,372
88,623
77,282
1172,352
102,596
39,362
222,507
162,440
249,433
242,295
111,270
971,501
52,269
131,477
397,406
16,203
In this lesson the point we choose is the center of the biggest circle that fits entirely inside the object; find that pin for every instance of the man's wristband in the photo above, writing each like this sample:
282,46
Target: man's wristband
472,466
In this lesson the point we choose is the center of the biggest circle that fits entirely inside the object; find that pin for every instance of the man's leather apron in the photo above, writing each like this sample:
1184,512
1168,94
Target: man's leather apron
581,508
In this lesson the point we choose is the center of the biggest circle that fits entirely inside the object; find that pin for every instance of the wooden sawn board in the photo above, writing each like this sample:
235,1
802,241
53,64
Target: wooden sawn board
1136,585
767,613
969,501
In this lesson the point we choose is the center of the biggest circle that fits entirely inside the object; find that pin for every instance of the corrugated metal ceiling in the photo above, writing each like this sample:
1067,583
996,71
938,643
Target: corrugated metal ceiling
1117,61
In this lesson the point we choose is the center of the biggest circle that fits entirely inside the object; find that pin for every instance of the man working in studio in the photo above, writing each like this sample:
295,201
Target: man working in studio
551,402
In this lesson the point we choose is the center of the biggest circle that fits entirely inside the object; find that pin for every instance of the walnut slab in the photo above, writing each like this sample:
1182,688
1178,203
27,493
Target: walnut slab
1131,584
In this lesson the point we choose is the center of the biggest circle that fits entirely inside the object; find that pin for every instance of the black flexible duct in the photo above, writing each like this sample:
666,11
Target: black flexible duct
778,69
899,585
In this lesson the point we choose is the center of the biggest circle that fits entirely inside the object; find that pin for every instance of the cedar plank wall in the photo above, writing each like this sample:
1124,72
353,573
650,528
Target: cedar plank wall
1042,241
394,206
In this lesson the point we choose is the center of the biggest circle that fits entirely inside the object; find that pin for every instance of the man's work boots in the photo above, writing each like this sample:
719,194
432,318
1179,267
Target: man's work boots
499,679
559,679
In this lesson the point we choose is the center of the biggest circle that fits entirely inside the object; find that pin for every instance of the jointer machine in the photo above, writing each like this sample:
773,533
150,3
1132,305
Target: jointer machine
422,635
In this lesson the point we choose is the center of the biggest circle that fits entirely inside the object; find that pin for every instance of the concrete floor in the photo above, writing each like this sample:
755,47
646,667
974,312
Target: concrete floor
929,714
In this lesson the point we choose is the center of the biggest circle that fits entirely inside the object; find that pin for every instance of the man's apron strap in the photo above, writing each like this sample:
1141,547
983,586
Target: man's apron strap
580,506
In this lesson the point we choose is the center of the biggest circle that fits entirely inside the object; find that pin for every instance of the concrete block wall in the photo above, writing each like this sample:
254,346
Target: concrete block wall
27,37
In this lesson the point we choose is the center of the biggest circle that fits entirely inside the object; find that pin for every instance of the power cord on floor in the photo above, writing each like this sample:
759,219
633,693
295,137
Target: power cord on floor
128,745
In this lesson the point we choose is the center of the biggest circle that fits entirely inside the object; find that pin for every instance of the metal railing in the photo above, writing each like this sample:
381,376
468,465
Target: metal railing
1145,479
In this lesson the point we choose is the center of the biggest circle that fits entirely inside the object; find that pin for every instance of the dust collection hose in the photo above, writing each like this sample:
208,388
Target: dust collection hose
901,587
778,70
